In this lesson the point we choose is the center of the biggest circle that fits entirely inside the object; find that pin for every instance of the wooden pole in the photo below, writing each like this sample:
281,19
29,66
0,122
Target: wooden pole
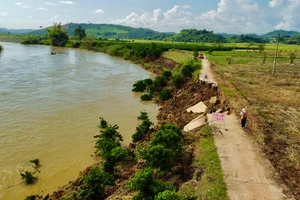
274,64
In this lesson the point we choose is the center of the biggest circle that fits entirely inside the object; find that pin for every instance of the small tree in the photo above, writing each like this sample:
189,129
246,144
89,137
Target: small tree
292,57
265,57
79,32
94,183
146,186
143,128
165,94
57,35
195,54
177,81
28,176
159,156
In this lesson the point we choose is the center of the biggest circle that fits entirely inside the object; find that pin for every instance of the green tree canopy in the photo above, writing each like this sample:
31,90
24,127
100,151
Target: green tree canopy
57,35
79,32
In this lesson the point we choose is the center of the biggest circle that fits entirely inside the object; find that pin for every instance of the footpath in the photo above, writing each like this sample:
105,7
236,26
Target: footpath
247,174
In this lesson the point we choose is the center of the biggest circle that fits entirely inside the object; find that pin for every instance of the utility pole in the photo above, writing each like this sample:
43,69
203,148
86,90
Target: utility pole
274,64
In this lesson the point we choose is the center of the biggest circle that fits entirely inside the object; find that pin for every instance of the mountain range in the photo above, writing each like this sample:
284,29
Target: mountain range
186,35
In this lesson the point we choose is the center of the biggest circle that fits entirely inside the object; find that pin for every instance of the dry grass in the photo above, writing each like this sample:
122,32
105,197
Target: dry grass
273,102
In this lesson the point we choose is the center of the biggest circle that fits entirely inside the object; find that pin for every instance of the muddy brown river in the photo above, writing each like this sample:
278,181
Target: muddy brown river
50,107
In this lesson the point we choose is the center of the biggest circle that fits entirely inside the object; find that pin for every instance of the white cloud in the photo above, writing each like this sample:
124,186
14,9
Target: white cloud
290,15
164,21
22,5
67,2
3,14
30,17
275,3
50,4
54,18
234,16
99,11
186,6
41,8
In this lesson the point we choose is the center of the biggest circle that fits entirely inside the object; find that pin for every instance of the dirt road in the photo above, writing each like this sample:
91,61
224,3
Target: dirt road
247,174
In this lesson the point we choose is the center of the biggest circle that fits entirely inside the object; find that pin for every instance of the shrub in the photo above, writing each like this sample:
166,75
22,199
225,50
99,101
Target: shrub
103,123
36,162
169,195
177,81
143,116
94,183
165,94
169,136
146,97
146,186
187,70
167,73
139,86
159,156
108,140
143,128
159,83
28,177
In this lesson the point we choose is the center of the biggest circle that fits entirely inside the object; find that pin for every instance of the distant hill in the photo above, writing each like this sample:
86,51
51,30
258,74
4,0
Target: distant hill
15,31
283,33
111,31
194,35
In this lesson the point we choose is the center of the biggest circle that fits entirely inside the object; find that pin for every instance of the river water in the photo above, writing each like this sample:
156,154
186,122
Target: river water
50,107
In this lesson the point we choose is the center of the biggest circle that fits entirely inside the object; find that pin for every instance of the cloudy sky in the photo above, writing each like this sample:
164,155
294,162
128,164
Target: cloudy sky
231,16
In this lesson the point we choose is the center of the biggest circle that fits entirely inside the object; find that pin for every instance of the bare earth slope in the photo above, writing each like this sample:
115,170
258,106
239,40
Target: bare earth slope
247,174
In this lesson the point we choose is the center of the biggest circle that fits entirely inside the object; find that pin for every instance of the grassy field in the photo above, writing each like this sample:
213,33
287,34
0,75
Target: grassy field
272,100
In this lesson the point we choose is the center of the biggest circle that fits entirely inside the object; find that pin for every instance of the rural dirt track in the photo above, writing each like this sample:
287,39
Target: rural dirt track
247,174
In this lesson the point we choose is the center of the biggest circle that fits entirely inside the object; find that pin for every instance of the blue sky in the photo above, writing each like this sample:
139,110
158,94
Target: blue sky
230,16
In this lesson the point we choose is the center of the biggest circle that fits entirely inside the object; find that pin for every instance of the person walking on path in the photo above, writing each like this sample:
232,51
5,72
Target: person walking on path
243,117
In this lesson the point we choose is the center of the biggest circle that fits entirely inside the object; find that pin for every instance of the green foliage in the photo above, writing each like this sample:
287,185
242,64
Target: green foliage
1,48
187,70
178,81
169,195
165,147
94,184
159,82
103,123
167,73
143,116
159,156
146,186
33,40
146,97
141,85
36,162
28,177
79,32
143,128
193,35
292,57
165,94
195,54
57,35
109,138
169,136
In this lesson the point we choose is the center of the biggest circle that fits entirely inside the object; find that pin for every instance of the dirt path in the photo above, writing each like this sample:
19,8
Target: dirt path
246,173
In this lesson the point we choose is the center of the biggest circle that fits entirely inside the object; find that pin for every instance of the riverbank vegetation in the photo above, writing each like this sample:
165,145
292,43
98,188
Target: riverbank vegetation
246,76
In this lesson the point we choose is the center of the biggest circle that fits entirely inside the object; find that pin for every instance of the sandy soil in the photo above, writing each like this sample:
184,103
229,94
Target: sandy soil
247,174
